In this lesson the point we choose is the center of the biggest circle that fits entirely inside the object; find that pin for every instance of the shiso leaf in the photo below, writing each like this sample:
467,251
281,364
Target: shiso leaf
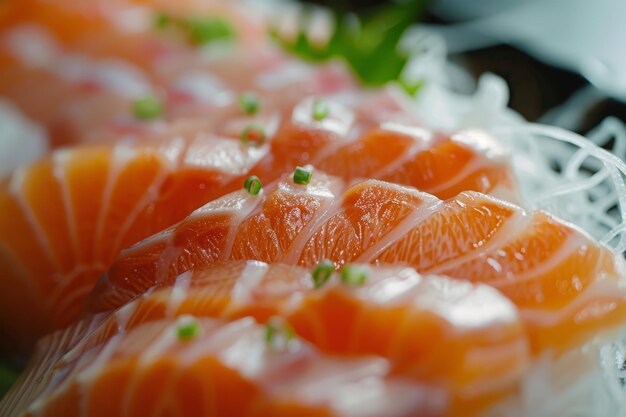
368,43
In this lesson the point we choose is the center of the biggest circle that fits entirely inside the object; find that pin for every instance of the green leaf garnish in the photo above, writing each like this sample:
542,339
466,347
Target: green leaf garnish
322,272
148,108
253,185
369,45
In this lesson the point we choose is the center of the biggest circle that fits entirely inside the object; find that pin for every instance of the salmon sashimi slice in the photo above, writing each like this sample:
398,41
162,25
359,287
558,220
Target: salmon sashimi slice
125,28
80,98
467,338
65,218
194,366
567,287
79,89
70,111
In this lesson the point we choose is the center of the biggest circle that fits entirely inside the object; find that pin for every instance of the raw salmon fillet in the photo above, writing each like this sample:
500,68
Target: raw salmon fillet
124,28
65,218
81,99
566,286
82,88
461,339
227,369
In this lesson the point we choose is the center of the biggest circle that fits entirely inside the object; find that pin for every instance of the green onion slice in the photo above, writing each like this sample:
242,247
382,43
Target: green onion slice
270,333
253,135
320,110
278,333
148,108
322,272
353,275
302,176
253,185
204,30
161,21
188,331
249,103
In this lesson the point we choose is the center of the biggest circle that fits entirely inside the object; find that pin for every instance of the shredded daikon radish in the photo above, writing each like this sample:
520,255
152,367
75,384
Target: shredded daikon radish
558,170
580,179
572,177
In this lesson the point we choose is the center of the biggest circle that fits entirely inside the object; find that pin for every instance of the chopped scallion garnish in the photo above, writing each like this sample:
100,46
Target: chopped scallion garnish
278,333
161,21
197,29
203,30
322,272
249,103
270,333
253,185
353,274
253,135
302,175
148,108
188,331
320,110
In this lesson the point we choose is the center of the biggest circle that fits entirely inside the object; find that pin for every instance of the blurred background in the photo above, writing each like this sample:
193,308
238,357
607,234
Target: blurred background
563,60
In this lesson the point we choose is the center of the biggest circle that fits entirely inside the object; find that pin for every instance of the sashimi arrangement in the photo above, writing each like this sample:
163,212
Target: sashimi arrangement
211,227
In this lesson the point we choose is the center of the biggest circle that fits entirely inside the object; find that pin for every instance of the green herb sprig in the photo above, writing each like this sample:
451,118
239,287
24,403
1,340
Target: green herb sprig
368,42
